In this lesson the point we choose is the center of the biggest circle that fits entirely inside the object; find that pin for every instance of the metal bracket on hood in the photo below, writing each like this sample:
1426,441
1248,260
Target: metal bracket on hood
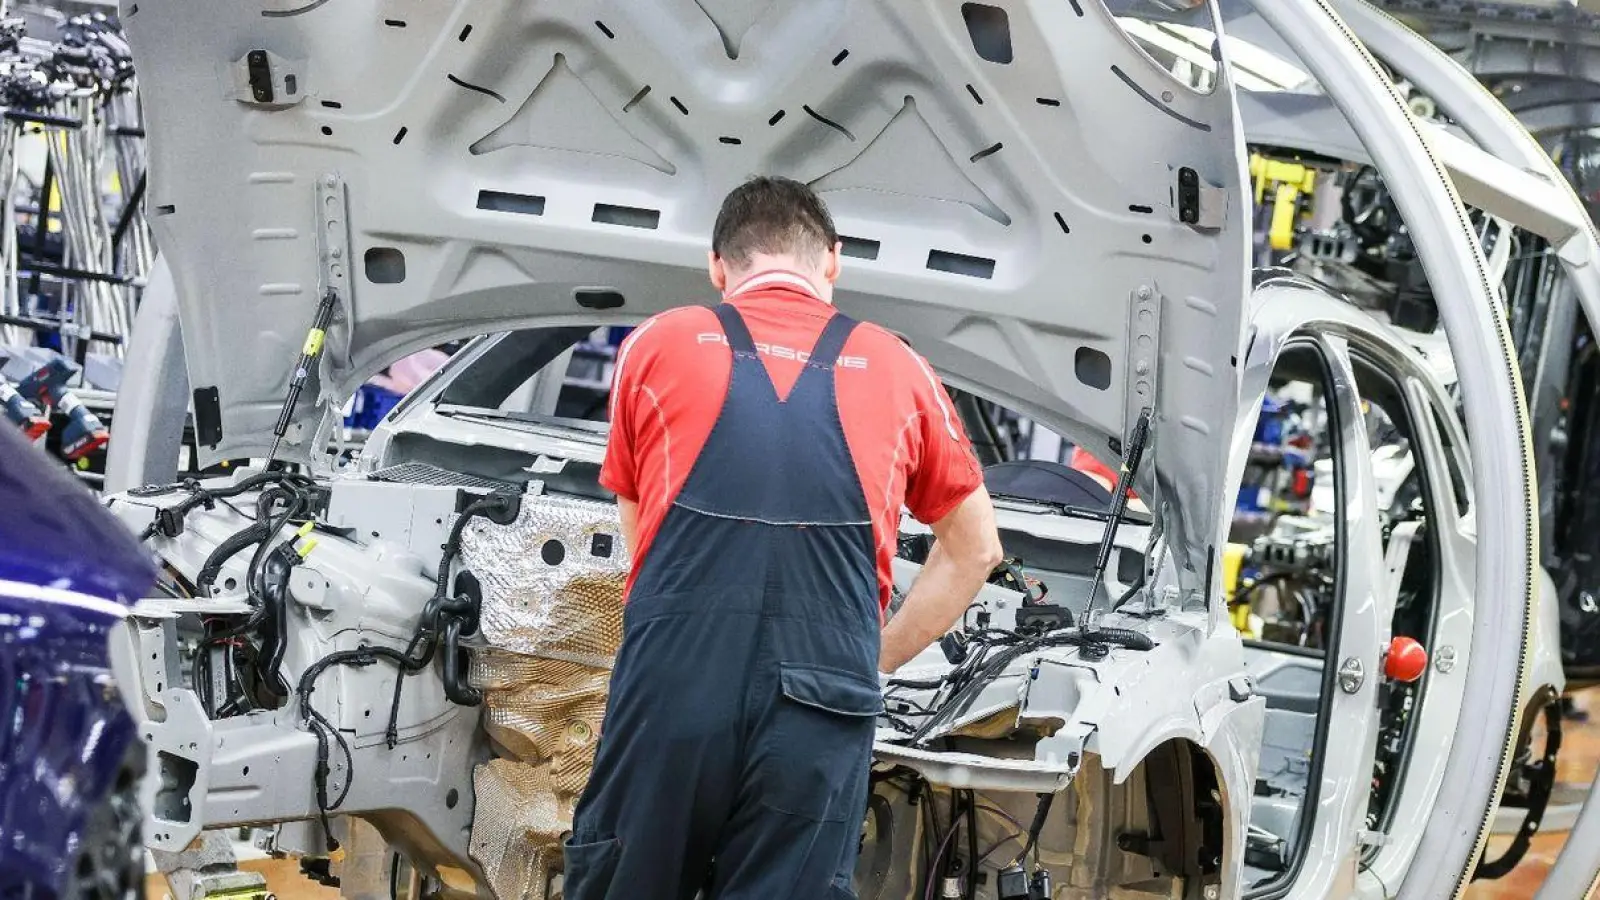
1144,355
1197,204
333,258
265,79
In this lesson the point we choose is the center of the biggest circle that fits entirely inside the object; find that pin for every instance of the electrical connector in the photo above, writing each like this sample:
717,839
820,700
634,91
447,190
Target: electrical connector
954,645
1039,888
1013,883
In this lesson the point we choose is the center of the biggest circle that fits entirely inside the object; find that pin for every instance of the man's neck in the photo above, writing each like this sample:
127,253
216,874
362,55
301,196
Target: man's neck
761,278
781,270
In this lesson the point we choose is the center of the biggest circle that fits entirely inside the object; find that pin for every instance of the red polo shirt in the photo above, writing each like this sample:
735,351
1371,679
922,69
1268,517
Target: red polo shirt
672,373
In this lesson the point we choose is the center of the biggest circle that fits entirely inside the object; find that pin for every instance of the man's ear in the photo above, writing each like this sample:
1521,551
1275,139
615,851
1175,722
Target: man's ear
834,263
718,273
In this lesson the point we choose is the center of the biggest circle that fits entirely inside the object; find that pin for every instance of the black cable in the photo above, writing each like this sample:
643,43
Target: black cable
1132,590
1040,813
319,724
972,845
200,496
972,685
429,624
391,734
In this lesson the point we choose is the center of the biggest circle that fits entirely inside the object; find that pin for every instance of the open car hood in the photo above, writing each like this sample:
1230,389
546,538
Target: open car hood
1046,214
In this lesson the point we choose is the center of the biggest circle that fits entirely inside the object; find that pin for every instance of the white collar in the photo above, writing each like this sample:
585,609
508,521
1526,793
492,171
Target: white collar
773,277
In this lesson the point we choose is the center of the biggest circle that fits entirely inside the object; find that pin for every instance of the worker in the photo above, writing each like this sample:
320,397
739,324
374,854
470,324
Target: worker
761,452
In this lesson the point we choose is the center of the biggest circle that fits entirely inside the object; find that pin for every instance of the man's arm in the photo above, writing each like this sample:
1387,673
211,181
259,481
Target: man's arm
629,510
965,550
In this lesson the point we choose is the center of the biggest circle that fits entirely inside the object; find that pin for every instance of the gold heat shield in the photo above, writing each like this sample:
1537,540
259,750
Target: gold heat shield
552,618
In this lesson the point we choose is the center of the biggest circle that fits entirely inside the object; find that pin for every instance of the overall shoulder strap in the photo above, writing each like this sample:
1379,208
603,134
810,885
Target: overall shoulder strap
831,342
734,327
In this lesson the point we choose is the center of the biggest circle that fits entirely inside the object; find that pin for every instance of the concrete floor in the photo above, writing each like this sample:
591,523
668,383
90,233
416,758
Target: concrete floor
1579,759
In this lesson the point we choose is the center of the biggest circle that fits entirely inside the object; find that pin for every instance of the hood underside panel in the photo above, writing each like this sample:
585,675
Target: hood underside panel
1008,176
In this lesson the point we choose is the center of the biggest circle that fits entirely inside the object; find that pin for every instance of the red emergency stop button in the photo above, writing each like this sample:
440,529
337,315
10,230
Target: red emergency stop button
1406,660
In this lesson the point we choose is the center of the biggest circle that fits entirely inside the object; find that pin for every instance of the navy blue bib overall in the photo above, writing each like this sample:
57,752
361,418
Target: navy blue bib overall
738,736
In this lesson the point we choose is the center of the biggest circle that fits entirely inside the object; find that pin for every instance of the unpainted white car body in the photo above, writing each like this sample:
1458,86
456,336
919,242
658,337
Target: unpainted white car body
518,166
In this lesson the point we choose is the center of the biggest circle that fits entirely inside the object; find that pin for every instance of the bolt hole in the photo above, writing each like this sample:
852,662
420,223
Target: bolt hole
464,32
400,135
679,104
776,118
327,131
246,771
451,799
841,57
1146,238
553,553
604,30
1063,223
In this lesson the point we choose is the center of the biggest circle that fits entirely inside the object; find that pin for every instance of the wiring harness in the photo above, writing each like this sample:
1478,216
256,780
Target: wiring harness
989,653
444,621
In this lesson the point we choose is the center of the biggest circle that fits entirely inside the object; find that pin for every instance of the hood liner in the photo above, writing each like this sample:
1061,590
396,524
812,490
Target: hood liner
1007,176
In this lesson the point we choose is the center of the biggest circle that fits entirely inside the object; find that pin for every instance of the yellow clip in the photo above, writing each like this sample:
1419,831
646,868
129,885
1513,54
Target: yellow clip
305,529
1285,211
305,549
313,341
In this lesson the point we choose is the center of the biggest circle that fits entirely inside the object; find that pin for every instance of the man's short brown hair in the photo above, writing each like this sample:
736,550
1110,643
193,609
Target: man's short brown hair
775,216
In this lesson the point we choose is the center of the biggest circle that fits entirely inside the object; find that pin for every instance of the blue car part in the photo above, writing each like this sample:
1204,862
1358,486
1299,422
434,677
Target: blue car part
67,569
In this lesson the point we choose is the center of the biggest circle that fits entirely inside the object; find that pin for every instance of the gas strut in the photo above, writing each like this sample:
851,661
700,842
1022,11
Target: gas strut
1119,506
302,370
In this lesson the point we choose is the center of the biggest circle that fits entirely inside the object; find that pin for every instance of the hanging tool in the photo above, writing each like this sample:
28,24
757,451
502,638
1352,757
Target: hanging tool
22,413
47,385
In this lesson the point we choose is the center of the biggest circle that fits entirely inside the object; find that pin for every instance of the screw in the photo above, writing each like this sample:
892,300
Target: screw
331,180
1445,660
1143,368
1144,292
1213,892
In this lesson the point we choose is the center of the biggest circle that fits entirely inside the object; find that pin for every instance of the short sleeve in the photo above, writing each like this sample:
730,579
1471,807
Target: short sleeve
619,473
946,470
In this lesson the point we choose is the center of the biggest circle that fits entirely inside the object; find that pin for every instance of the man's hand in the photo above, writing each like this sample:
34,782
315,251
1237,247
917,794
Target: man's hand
966,549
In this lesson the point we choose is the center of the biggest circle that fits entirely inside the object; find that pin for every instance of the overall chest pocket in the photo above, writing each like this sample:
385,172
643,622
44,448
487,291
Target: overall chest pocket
819,746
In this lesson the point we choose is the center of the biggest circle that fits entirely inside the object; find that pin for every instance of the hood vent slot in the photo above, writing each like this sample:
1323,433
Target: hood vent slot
521,204
627,216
